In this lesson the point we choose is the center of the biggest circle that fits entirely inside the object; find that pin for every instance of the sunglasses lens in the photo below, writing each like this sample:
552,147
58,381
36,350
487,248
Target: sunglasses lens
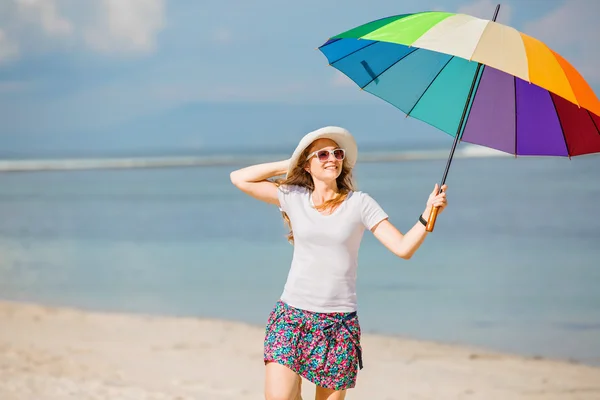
338,154
323,155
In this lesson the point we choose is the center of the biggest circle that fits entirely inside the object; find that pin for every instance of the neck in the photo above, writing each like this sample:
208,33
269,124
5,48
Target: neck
324,191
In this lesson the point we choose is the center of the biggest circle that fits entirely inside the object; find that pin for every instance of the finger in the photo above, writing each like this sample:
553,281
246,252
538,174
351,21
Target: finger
439,197
436,189
444,188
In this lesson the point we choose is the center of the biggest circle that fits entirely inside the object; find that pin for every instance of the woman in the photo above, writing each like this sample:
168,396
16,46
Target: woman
313,331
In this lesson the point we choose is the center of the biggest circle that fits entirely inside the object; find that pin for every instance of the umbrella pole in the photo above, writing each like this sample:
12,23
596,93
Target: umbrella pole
434,211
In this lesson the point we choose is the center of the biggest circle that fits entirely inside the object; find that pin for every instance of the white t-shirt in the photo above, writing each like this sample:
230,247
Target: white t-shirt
322,277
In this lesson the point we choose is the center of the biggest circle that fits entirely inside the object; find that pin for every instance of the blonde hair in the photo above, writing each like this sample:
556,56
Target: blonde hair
300,177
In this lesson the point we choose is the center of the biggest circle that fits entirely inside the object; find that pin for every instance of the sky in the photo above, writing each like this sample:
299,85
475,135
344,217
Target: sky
135,76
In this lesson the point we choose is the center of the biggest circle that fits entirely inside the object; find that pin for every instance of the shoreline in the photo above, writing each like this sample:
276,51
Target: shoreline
64,352
477,350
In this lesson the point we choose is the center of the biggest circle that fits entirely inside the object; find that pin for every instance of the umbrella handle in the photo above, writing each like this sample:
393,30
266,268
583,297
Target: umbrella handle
431,219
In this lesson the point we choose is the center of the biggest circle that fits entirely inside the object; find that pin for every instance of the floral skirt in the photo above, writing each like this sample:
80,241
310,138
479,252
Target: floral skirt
324,348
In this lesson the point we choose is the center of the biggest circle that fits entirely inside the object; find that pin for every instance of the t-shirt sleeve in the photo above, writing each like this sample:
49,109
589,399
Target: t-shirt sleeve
289,197
371,212
283,194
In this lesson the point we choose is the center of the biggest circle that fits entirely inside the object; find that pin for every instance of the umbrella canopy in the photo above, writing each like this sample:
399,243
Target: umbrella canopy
475,79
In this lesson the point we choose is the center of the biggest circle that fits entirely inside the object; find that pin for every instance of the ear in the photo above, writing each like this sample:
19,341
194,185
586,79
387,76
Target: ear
307,167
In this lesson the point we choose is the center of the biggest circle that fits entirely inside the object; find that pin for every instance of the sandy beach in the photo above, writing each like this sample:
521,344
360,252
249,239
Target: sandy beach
51,353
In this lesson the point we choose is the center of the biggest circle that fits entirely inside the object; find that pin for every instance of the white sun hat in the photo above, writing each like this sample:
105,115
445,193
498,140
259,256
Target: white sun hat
341,136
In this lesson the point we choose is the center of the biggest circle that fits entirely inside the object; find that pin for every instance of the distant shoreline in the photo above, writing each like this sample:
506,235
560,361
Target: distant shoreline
223,160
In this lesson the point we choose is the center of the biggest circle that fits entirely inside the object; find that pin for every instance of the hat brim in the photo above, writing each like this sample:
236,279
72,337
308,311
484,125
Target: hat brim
341,136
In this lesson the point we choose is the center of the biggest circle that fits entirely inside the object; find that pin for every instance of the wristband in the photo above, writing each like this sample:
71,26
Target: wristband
422,220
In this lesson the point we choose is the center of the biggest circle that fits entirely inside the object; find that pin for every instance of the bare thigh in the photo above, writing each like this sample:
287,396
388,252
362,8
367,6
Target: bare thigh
281,383
329,394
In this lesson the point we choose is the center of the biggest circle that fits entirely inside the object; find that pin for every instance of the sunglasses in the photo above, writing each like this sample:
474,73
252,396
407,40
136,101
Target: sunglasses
323,155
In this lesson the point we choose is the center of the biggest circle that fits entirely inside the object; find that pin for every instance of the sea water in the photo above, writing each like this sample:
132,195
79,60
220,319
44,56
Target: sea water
513,263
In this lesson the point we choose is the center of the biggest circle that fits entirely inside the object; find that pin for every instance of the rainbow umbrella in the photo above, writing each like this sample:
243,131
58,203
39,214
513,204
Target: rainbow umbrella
477,80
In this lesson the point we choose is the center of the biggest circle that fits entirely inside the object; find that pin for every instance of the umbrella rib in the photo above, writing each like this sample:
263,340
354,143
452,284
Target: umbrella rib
428,86
562,129
373,76
328,42
353,52
593,122
472,97
516,124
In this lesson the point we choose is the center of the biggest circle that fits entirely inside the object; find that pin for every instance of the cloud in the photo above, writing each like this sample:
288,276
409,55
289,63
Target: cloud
485,9
104,26
572,30
46,14
126,26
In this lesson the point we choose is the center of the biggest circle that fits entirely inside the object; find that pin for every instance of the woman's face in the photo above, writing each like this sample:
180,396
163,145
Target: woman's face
325,169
